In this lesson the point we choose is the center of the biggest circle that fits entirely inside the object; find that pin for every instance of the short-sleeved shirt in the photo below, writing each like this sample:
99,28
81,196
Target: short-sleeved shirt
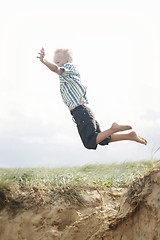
71,88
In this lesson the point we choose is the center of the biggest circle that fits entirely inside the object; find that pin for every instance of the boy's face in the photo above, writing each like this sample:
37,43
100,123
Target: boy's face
59,59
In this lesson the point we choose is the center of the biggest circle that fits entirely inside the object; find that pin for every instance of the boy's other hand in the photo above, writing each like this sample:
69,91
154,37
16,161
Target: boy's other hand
41,54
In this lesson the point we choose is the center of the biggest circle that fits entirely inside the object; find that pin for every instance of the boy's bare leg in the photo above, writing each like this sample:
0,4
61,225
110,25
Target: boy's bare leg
114,129
132,136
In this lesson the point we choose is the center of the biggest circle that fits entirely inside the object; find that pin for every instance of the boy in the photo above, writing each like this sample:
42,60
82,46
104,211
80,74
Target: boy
73,93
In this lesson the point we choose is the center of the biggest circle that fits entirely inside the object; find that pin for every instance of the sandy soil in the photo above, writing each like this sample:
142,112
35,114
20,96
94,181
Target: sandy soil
109,213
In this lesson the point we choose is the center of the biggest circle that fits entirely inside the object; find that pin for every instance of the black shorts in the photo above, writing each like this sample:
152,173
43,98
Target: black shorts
88,127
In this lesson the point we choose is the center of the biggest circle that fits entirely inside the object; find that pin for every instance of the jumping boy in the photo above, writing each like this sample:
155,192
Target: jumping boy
73,93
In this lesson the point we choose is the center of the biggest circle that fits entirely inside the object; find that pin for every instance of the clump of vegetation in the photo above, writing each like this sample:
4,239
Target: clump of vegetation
36,184
4,190
6,198
116,175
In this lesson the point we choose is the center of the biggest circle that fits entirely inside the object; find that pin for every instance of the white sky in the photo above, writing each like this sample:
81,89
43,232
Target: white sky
116,45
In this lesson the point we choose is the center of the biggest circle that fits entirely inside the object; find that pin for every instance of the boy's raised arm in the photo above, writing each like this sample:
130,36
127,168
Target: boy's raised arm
51,66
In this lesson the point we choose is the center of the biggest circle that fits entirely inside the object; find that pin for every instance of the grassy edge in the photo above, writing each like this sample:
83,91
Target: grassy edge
66,183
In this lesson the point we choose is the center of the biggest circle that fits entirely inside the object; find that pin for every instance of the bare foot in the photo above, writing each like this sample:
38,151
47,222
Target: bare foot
135,137
117,128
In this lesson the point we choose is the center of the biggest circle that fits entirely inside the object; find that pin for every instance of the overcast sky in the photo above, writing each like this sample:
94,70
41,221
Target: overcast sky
116,45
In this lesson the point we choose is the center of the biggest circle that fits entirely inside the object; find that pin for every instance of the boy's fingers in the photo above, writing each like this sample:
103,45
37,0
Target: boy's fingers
41,53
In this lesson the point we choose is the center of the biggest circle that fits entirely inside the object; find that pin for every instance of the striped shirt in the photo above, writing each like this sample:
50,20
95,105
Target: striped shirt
71,88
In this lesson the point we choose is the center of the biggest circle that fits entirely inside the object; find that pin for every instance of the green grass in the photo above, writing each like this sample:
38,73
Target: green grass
116,175
29,187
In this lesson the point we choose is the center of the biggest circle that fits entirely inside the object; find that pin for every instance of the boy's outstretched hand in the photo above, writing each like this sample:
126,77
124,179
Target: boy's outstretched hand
41,54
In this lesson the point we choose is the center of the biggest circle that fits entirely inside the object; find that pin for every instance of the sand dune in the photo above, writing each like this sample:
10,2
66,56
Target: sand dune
100,214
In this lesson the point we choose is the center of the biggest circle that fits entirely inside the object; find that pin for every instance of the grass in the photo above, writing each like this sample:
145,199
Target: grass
19,187
114,175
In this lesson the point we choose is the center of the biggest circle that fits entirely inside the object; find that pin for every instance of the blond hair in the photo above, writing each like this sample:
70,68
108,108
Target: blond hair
67,53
